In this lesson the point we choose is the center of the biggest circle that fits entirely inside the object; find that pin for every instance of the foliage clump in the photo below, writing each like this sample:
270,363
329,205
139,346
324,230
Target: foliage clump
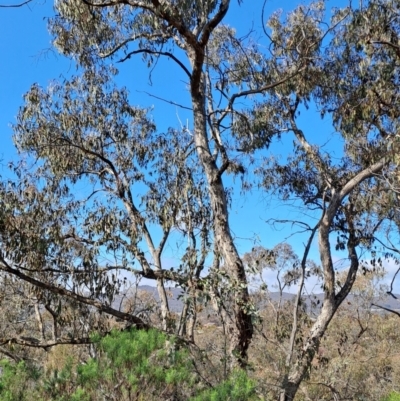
393,396
130,365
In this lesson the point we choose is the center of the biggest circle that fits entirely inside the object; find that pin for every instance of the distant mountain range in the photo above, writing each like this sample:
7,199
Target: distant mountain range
313,302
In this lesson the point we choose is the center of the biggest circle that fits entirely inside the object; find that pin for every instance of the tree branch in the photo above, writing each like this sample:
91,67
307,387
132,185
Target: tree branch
262,89
387,309
361,176
15,5
292,340
35,343
5,266
211,25
157,53
168,101
132,39
10,355
137,4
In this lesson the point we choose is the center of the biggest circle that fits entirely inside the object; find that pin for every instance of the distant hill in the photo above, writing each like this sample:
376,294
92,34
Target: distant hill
313,302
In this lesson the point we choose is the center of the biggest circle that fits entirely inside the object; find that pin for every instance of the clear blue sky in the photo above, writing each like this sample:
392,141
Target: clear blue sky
27,57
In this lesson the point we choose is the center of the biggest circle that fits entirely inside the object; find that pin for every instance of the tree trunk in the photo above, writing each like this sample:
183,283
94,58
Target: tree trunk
298,372
240,327
162,294
39,320
187,320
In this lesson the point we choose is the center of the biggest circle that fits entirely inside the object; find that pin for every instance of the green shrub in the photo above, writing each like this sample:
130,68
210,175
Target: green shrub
237,388
132,365
142,362
17,381
393,396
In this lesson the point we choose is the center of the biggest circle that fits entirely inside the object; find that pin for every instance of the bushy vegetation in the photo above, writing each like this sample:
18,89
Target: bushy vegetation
394,396
131,365
150,365
17,381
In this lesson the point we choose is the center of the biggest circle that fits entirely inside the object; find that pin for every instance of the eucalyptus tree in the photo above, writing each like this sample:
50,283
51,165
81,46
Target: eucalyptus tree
355,86
73,223
221,69
84,130
215,62
94,31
